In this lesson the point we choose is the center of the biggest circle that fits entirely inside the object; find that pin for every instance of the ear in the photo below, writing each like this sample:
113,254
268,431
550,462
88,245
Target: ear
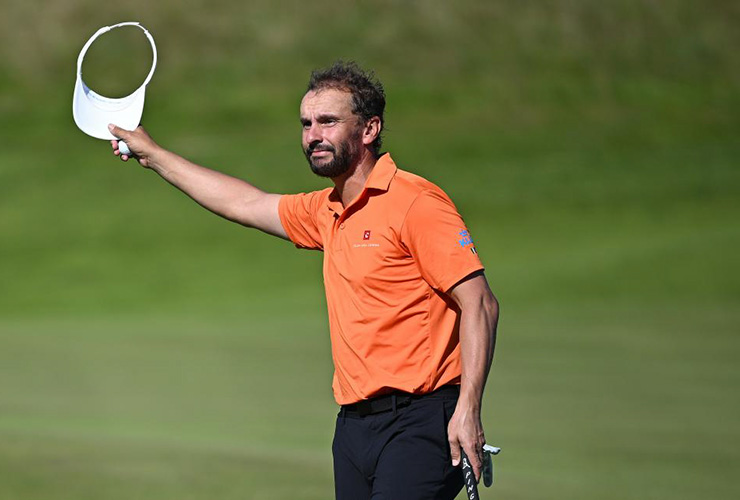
371,130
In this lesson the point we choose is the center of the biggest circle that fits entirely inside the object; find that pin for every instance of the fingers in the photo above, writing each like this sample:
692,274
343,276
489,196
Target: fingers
116,151
473,448
118,131
122,134
455,452
475,455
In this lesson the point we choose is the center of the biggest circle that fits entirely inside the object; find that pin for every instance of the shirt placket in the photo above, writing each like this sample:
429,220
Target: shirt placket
338,233
341,224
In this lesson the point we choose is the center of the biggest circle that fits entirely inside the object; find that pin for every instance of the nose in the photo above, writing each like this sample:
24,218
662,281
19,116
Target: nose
312,134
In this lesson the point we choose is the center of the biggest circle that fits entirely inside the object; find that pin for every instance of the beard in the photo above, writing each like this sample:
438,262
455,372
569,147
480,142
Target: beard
344,156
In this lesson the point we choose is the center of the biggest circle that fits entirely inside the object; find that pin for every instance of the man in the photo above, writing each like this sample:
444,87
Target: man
412,319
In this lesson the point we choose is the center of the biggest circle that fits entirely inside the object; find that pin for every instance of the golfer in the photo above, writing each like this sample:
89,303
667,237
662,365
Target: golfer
412,318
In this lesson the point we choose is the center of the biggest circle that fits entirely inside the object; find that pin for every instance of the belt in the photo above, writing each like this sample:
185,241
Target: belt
395,400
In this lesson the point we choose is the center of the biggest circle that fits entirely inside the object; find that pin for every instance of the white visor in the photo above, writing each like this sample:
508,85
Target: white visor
93,112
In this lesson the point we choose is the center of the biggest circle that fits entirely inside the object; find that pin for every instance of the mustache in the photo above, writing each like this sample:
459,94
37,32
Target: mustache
319,147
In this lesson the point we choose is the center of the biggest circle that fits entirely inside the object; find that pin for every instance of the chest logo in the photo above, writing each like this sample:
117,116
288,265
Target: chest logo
365,241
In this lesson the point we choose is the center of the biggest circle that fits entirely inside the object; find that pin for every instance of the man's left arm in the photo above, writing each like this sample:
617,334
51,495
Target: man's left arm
479,316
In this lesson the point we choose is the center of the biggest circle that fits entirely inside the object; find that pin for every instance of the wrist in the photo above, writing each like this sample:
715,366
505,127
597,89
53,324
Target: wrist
158,160
469,401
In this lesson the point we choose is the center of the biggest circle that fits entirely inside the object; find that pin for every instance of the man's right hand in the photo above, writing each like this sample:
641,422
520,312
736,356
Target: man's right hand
142,146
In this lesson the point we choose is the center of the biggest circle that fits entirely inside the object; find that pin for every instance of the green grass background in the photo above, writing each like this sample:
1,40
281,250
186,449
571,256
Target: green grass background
150,350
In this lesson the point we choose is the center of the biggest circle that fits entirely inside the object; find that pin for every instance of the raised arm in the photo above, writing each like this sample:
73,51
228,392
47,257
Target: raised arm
479,316
226,196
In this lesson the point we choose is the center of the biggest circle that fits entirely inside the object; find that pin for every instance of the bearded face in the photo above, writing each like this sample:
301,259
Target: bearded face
332,132
327,160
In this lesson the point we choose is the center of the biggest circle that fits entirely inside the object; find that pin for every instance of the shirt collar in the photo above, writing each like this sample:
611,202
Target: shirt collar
382,174
380,178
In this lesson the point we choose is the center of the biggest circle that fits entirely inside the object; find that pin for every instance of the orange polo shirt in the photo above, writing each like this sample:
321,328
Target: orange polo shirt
389,256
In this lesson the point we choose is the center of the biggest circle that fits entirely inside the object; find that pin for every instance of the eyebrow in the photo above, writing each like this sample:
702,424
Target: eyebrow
322,118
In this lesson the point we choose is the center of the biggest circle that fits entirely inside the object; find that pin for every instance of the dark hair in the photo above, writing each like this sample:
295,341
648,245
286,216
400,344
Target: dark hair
368,96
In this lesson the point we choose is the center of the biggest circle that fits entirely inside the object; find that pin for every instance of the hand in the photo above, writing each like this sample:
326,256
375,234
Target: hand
142,146
465,429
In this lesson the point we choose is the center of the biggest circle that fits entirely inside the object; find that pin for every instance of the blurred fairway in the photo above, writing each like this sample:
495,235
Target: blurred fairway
150,350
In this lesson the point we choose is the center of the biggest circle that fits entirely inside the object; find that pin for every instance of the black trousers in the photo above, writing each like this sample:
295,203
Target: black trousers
397,454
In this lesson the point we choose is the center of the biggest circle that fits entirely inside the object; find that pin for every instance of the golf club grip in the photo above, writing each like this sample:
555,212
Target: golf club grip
471,487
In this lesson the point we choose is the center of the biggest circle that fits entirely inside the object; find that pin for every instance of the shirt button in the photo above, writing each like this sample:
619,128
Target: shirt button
341,226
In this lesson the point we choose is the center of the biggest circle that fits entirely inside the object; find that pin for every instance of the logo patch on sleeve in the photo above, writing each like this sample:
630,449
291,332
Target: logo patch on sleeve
466,240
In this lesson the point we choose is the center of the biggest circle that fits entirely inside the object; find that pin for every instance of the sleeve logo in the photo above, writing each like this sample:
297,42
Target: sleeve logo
466,240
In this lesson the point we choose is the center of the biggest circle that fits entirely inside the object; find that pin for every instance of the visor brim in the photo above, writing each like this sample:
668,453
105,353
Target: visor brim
93,112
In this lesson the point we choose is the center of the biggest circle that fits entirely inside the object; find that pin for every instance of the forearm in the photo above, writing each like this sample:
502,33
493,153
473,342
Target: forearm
477,343
222,194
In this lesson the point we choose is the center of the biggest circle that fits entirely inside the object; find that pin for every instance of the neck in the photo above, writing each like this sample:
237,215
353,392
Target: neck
350,184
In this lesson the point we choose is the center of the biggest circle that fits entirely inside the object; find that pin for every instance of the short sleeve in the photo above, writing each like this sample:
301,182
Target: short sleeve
436,236
299,217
